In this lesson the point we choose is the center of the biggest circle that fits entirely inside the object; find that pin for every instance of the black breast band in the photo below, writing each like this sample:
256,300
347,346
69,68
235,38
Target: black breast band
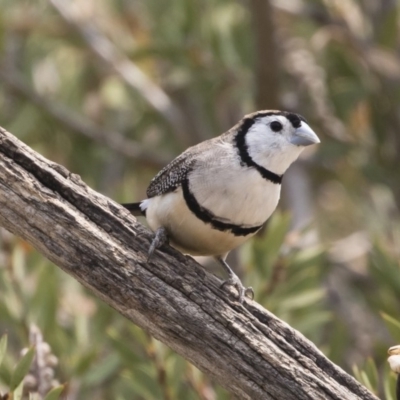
209,218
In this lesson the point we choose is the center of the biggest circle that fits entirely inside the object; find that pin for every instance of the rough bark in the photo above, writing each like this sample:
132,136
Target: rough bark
244,347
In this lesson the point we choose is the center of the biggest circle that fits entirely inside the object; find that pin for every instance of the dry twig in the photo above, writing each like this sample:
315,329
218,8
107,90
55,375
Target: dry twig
77,124
129,72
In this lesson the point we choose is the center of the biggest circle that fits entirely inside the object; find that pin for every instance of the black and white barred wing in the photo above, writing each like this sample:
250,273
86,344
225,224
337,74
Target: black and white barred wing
172,175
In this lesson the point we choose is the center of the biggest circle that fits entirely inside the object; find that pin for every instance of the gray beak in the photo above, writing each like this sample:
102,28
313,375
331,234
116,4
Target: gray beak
304,136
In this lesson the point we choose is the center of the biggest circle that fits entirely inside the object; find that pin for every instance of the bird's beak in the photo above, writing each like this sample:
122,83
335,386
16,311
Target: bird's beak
304,136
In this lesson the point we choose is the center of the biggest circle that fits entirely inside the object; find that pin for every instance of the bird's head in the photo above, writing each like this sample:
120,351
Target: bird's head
274,139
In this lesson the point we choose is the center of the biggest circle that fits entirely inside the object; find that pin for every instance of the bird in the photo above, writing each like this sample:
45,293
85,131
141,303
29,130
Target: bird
219,193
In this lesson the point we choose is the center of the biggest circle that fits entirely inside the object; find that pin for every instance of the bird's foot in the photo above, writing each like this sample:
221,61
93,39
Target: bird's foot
160,238
234,281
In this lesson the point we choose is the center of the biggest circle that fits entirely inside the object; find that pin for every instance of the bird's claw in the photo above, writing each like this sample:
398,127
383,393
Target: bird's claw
234,281
160,238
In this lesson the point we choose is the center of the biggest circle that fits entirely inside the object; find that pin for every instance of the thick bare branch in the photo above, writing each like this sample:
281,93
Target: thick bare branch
247,349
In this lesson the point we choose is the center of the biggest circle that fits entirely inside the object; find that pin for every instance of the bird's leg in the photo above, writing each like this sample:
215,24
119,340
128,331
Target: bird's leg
160,238
233,280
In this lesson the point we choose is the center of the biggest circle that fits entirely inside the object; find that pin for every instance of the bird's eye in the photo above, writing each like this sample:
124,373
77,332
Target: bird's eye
276,126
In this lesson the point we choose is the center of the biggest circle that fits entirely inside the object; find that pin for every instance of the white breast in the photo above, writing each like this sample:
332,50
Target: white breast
237,195
187,233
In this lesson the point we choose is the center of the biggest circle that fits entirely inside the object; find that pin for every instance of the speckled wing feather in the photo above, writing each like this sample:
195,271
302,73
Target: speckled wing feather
172,175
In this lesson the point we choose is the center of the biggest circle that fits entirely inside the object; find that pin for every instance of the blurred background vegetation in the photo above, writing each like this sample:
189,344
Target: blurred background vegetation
114,89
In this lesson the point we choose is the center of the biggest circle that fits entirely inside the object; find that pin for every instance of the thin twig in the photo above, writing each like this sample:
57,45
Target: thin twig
202,389
132,75
267,60
78,124
160,368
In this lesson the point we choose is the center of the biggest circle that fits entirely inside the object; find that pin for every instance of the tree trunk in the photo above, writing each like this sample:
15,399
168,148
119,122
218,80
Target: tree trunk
244,347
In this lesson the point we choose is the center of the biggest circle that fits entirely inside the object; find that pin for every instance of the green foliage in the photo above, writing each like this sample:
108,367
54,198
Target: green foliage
368,375
19,372
393,326
3,347
383,380
286,279
54,394
22,368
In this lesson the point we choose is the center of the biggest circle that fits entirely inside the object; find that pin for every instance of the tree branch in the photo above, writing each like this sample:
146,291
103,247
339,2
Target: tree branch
83,126
124,68
247,349
266,55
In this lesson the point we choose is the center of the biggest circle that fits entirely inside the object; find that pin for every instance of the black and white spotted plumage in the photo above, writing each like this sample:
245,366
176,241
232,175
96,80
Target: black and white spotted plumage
217,194
172,175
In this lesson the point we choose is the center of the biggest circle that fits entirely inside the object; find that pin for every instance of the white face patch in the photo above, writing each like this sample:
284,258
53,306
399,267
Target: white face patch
272,149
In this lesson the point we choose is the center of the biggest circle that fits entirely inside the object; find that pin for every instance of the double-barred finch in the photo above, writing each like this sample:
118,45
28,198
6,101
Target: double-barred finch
219,193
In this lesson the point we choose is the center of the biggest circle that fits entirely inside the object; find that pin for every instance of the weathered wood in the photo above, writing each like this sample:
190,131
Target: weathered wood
247,349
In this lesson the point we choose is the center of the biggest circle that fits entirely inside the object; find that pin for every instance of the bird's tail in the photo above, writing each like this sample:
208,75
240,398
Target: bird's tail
134,208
